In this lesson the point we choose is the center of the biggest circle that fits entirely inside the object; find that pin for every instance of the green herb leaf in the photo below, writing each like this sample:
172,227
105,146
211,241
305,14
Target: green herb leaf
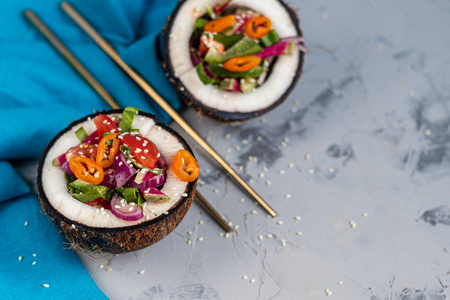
203,76
200,23
270,38
86,192
127,118
131,195
253,73
227,40
210,11
81,134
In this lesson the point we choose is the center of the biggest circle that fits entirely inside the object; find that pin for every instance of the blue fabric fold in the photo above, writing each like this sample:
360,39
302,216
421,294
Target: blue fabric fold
40,94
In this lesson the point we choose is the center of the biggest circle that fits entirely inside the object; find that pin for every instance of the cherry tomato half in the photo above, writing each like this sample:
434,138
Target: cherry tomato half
105,124
145,151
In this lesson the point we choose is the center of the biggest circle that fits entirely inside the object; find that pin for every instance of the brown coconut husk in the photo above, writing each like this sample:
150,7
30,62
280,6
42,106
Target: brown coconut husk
122,239
220,115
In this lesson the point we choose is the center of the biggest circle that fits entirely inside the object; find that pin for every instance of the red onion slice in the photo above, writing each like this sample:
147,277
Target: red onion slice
124,211
66,168
122,171
92,138
154,181
60,159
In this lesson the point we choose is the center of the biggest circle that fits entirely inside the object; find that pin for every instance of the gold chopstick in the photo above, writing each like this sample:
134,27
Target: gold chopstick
105,95
155,96
70,58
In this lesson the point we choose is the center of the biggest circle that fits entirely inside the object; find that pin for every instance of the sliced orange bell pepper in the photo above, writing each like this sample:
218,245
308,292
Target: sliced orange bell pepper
219,24
86,169
242,63
257,27
104,158
185,166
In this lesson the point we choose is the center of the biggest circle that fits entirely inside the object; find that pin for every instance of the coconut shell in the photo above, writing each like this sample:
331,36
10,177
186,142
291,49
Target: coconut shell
121,239
220,115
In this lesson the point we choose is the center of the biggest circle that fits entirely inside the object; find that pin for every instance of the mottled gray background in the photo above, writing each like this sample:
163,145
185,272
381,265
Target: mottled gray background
360,152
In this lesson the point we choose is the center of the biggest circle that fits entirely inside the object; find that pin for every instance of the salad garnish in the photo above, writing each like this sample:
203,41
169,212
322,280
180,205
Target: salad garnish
117,168
236,48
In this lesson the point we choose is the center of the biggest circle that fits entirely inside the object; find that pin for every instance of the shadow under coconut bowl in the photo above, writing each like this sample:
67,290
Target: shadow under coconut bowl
284,73
102,231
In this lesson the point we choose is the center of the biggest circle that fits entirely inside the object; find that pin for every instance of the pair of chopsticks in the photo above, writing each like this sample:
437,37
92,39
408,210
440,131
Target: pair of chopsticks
148,89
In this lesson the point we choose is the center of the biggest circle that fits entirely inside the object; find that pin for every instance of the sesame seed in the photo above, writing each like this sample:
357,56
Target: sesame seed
427,132
365,214
166,212
101,266
340,282
227,234
34,254
242,200
287,196
254,212
141,272
109,269
227,136
33,263
352,224
184,195
105,121
130,209
291,165
238,148
328,292
281,172
26,223
138,150
259,138
138,138
117,206
261,175
244,277
280,222
283,242
20,258
307,156
298,218
220,233
331,170
311,171
143,157
244,142
189,242
46,285
200,222
216,191
200,239
260,237
269,235
268,182
299,233
253,280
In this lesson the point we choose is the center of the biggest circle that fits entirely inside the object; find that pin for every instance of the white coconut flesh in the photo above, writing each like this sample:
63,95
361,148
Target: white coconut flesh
55,187
268,93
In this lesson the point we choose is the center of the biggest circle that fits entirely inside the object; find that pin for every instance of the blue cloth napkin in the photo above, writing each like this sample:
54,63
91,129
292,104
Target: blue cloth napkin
40,94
